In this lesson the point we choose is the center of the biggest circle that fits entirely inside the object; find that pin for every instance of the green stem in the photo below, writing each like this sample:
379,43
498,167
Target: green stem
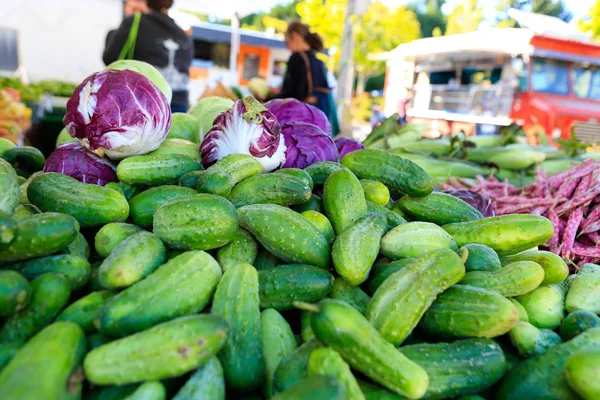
306,306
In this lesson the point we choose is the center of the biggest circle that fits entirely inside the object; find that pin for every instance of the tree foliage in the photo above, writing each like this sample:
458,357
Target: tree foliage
465,17
281,12
430,16
553,8
592,24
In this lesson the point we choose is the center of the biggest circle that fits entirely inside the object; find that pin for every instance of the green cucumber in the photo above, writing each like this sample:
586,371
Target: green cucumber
222,176
481,258
286,234
530,341
90,205
151,390
584,290
293,368
8,351
314,388
352,295
207,383
111,392
306,332
185,285
266,260
381,271
132,260
166,350
402,299
398,174
460,368
355,249
516,279
374,392
241,250
51,358
40,235
282,189
23,211
278,342
321,222
314,203
144,205
393,219
414,239
201,222
280,287
578,322
76,270
523,316
555,269
439,208
51,294
85,311
9,187
128,191
155,170
26,159
341,327
326,361
298,173
543,376
79,247
581,371
177,146
466,311
96,340
320,171
375,192
15,293
111,235
343,200
190,180
506,234
23,199
6,144
237,301
545,306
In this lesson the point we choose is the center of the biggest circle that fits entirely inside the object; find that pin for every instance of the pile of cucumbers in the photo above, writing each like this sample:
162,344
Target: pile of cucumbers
186,283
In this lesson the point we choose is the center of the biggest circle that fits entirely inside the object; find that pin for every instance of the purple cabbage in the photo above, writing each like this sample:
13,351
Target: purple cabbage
76,161
118,113
292,110
247,128
346,145
482,203
307,144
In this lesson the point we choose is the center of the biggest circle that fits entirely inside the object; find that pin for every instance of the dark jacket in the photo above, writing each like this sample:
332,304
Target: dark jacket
161,43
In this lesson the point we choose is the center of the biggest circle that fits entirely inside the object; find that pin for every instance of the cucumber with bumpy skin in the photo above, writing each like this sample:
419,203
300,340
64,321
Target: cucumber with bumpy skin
375,191
439,208
298,173
582,370
352,295
79,247
326,361
545,306
343,199
85,311
531,341
144,205
222,176
321,222
515,279
555,269
578,322
393,219
293,368
381,271
481,258
155,170
77,270
15,292
207,383
278,342
414,239
242,250
110,235
282,189
320,171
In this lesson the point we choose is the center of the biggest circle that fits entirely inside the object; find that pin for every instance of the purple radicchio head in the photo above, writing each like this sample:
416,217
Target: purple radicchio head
292,110
118,113
482,203
307,144
346,145
246,128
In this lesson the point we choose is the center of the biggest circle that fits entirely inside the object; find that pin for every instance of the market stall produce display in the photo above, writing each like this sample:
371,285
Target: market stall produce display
159,278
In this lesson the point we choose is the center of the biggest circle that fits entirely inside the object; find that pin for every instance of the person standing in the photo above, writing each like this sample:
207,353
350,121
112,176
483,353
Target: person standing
161,43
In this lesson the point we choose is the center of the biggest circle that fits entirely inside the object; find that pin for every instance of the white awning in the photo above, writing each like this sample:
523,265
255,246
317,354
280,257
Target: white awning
224,9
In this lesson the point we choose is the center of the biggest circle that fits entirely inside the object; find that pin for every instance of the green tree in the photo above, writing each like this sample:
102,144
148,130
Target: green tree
430,16
465,17
592,24
554,8
285,11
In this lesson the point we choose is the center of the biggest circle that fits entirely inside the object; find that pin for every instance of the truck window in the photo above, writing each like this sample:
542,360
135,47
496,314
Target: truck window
550,76
586,81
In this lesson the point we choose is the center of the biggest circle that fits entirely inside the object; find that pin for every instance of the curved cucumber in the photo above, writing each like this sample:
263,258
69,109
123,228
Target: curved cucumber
110,235
278,342
85,311
531,341
15,292
343,199
277,188
439,208
242,250
326,361
144,205
516,279
414,239
155,170
76,270
207,383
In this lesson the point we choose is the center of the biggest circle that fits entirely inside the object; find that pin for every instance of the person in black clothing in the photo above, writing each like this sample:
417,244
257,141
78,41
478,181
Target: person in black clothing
161,43
305,77
131,7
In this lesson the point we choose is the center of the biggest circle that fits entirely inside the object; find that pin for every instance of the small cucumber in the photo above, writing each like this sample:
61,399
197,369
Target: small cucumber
155,170
582,370
343,200
555,269
375,191
144,205
282,189
152,390
355,249
414,239
8,351
5,144
293,368
111,235
347,331
201,222
26,159
9,187
313,204
439,208
298,173
278,343
185,285
481,258
523,316
280,287
177,146
516,279
79,247
85,311
506,234
584,291
15,292
352,295
467,311
128,191
306,332
132,260
545,306
237,301
90,205
578,322
207,383
76,270
52,232
531,341
286,234
51,294
166,350
316,387
51,358
381,271
326,361
402,299
190,180
393,219
241,250
321,222
222,176
320,171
